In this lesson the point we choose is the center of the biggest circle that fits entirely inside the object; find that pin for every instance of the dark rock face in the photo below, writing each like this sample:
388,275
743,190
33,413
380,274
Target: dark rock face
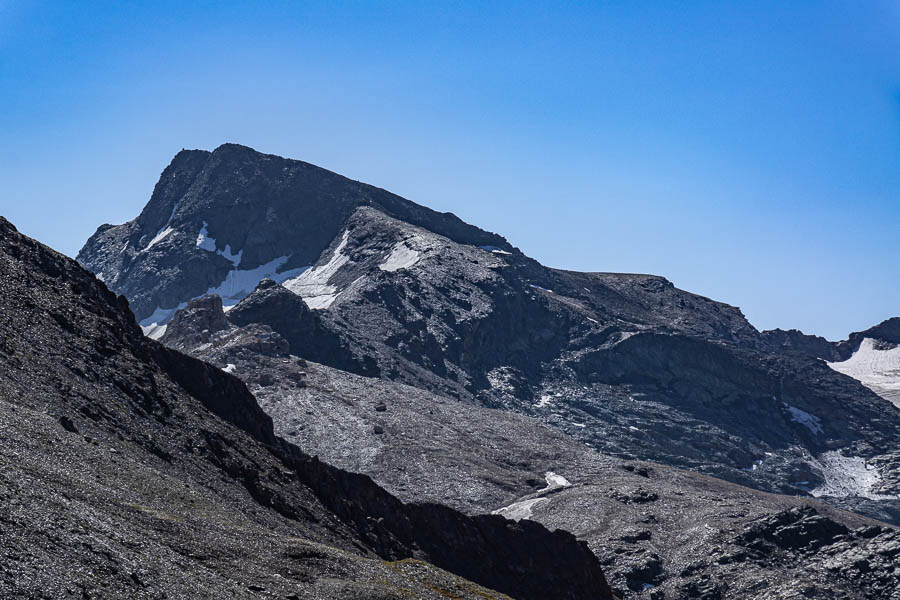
887,331
859,563
203,318
136,471
798,528
794,340
303,328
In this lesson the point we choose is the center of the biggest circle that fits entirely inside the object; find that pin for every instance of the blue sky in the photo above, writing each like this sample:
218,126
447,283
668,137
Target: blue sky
749,152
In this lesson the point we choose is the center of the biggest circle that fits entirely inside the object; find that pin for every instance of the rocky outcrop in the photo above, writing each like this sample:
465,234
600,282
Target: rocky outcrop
794,340
303,328
858,563
887,331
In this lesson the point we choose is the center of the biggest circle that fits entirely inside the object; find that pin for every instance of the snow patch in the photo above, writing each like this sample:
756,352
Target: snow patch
205,242
554,481
237,285
154,326
522,509
230,367
320,302
312,284
537,287
401,257
876,368
545,400
847,476
165,231
756,464
495,250
518,510
154,331
810,421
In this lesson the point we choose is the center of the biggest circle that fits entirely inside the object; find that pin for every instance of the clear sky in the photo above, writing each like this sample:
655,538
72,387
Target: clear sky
748,151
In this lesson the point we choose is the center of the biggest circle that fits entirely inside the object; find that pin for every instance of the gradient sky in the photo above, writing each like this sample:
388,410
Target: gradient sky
749,152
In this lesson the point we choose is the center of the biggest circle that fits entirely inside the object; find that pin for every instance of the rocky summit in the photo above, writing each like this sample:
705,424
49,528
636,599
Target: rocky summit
691,455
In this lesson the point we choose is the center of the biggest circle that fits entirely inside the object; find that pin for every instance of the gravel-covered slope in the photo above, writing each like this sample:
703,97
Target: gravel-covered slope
133,471
660,532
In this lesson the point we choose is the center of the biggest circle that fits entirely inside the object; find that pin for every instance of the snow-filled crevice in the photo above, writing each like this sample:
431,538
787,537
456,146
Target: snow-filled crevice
165,230
163,233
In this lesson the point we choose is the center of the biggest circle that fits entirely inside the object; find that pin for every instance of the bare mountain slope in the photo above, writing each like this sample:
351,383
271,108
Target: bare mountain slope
133,471
627,364
660,531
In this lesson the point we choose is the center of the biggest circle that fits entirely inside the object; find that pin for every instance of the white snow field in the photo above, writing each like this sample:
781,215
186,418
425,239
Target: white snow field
401,257
847,476
522,509
312,285
876,368
238,284
205,242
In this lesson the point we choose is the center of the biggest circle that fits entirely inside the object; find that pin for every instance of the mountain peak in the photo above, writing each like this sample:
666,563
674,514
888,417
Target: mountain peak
218,222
